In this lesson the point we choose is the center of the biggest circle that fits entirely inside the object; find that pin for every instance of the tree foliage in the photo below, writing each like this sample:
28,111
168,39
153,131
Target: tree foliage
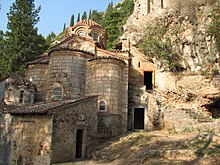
22,42
156,45
72,20
84,16
97,16
115,18
214,28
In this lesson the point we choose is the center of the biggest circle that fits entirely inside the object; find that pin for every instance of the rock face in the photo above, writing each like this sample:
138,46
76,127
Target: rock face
196,86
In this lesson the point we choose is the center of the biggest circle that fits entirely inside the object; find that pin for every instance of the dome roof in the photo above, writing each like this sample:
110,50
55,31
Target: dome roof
89,23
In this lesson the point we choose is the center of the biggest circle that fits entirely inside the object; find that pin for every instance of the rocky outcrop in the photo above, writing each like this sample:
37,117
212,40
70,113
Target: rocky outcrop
196,87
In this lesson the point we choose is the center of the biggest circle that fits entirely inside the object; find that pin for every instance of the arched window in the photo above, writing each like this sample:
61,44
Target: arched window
58,94
95,36
82,33
21,97
102,106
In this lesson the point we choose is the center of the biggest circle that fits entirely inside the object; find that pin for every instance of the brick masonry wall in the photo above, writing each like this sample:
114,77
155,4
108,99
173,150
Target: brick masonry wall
67,120
105,78
37,74
67,68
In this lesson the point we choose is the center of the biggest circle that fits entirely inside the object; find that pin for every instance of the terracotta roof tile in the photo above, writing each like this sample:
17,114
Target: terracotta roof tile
40,108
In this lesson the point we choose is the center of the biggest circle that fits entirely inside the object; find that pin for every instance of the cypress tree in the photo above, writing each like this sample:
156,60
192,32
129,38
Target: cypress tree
90,13
22,40
64,27
72,20
78,18
84,16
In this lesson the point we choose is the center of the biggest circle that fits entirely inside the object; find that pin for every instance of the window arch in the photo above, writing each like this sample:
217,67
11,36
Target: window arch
82,33
95,36
102,106
58,93
21,97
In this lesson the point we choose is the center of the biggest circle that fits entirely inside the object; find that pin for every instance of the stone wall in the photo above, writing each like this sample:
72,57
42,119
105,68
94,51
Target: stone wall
5,142
30,139
139,97
67,120
67,69
105,77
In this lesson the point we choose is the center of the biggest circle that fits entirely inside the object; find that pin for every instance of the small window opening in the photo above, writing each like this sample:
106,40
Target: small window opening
95,36
148,80
139,64
21,97
9,95
102,106
162,4
58,94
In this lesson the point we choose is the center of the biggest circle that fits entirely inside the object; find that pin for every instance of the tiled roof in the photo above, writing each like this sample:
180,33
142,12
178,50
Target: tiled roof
19,81
106,57
89,23
40,108
71,37
42,59
111,53
70,49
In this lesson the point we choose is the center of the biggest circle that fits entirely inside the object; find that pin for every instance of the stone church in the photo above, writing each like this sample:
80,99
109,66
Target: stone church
75,96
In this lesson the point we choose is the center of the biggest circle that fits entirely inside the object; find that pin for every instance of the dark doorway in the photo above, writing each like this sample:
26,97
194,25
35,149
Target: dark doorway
138,118
148,80
161,4
79,139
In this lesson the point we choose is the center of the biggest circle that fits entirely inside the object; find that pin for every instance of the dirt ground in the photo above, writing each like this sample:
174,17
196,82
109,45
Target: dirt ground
157,148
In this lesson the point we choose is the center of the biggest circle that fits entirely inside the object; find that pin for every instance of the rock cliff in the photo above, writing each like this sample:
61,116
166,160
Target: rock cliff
193,83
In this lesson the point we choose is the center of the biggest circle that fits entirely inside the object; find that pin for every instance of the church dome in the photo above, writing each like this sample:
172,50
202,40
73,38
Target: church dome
89,29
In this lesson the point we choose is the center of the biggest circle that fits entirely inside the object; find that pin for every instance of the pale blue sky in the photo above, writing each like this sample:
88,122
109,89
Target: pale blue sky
54,13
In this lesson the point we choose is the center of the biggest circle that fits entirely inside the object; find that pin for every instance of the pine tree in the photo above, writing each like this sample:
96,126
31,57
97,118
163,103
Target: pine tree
1,52
97,16
22,40
84,16
72,20
78,18
114,19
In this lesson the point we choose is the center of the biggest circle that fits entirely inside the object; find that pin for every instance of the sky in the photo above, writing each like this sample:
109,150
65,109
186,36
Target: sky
54,13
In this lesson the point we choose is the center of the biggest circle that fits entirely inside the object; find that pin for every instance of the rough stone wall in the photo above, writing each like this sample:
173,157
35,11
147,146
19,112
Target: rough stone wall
139,97
67,120
38,74
105,78
13,95
67,69
5,142
30,139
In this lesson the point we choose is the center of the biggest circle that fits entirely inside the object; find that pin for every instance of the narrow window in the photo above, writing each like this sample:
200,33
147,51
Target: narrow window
139,64
148,80
9,95
21,97
102,106
161,4
58,94
95,36
148,6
